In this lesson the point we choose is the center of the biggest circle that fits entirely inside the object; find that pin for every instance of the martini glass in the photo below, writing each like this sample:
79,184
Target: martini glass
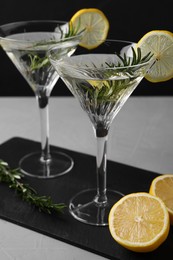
102,80
26,44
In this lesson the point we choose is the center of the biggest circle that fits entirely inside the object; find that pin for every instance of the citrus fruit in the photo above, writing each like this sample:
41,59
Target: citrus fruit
160,44
162,187
139,222
95,24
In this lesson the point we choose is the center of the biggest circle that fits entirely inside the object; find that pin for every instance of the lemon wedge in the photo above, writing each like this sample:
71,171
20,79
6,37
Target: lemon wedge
95,24
160,44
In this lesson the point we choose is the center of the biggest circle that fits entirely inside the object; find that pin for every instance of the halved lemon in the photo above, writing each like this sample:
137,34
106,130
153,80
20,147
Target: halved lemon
160,44
162,187
95,24
139,222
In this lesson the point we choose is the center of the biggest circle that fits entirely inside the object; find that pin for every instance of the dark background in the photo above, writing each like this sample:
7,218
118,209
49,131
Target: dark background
129,20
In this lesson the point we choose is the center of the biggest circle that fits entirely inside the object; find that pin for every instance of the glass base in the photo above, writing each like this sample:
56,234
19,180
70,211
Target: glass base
84,208
32,165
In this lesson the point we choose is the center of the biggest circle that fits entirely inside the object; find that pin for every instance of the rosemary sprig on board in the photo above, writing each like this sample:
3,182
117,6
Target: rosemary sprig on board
13,179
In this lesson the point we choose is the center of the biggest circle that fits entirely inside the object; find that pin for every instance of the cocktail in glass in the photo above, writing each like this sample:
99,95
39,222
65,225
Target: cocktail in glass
102,80
26,44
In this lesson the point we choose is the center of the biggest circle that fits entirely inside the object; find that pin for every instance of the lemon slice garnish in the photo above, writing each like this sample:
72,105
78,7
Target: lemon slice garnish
160,44
95,24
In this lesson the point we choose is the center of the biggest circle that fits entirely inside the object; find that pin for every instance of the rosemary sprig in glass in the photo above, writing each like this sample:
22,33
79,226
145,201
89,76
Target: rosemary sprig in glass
125,69
13,178
72,31
37,62
136,59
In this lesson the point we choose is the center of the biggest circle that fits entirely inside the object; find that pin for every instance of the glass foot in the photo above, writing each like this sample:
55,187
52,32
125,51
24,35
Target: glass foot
59,164
84,208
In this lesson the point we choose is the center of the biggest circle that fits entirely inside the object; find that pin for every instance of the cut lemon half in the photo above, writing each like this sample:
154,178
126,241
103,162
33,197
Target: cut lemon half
139,222
160,44
95,24
162,187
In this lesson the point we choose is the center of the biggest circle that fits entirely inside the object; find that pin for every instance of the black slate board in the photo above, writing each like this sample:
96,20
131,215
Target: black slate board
98,240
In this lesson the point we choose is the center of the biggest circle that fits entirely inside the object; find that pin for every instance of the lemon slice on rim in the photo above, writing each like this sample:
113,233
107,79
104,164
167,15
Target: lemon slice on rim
162,187
160,44
95,24
139,222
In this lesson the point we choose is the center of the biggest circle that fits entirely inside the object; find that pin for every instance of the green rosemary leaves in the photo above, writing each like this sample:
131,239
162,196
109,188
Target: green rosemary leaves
111,79
136,58
13,178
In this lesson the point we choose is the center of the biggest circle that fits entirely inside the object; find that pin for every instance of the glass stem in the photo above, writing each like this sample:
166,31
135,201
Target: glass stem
44,124
101,163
